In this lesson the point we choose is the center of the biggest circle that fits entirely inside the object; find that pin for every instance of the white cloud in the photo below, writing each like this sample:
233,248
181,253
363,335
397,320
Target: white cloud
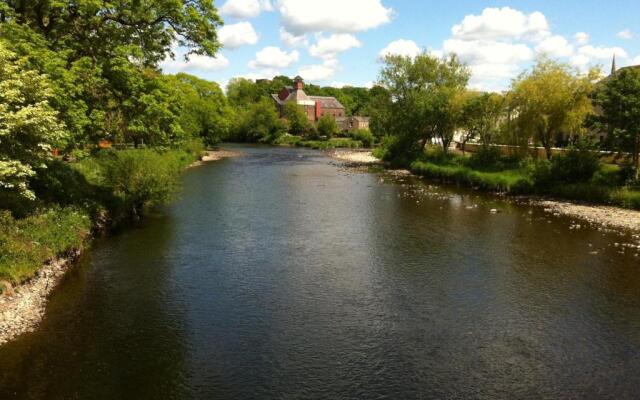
502,24
488,52
319,72
555,46
237,35
581,37
344,16
602,53
291,40
245,8
195,62
625,34
400,47
635,61
329,47
273,58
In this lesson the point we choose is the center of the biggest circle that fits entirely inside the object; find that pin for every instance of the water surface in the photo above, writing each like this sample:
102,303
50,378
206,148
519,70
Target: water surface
279,274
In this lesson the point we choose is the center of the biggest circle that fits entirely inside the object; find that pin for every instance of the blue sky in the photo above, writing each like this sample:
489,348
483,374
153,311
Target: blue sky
338,42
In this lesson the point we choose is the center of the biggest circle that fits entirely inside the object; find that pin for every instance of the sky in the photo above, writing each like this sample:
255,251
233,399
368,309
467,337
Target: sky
341,42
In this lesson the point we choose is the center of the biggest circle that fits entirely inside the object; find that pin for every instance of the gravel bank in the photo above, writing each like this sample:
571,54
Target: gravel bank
214,155
23,311
354,157
612,217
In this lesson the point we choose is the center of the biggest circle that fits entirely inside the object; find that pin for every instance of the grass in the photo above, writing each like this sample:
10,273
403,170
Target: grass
508,181
71,196
27,243
606,186
334,143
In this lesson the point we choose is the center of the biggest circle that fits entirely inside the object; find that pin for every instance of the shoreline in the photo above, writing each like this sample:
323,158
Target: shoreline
602,215
214,155
22,311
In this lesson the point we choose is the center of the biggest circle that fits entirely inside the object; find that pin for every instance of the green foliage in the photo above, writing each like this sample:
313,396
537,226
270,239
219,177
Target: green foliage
424,102
574,166
552,100
29,127
25,244
297,119
204,110
330,144
481,116
510,181
259,122
363,135
619,99
139,178
327,126
287,140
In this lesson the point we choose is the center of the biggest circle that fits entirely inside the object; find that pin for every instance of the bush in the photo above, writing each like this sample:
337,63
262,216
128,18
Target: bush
27,243
574,166
287,140
140,178
327,126
626,198
363,135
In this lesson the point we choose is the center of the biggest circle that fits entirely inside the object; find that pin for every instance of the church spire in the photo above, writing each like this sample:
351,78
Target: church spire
613,64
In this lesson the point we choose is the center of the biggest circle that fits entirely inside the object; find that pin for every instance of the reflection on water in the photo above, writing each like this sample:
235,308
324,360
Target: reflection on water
280,275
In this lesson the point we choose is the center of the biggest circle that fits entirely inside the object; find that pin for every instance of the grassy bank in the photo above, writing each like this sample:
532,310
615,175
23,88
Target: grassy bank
573,177
333,143
110,188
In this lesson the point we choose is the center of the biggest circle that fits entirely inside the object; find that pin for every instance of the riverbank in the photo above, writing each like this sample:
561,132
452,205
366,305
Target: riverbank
38,250
600,215
214,155
24,309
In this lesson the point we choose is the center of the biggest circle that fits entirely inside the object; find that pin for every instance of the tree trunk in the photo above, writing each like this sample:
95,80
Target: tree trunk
636,157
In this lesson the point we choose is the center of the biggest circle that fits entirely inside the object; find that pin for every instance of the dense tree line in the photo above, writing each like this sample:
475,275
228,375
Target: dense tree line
74,73
426,100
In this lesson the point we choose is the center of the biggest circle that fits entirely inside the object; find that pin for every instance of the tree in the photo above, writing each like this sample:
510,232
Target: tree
297,118
424,101
95,28
204,110
552,100
29,126
481,116
259,122
619,101
327,126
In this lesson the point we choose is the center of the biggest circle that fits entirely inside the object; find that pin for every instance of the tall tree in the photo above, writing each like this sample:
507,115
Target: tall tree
425,100
618,98
551,101
481,116
29,126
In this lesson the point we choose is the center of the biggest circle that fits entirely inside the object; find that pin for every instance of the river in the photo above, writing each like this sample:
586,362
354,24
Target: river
279,274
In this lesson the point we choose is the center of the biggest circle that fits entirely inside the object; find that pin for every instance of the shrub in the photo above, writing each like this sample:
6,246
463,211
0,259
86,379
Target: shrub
139,178
626,198
327,126
363,135
574,166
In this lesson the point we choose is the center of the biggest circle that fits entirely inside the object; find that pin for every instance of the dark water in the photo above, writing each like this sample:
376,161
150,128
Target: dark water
279,275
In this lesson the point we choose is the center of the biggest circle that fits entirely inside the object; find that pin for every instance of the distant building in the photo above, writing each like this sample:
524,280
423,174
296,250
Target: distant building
314,106
357,122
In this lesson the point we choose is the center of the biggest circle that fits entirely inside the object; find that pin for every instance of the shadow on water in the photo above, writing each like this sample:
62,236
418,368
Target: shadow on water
112,329
279,275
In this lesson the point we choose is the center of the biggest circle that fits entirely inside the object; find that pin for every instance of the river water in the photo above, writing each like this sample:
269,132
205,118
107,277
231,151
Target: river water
279,274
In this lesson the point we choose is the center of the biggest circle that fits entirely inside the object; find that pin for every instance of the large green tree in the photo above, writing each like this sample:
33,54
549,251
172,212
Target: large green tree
482,115
618,99
424,101
29,126
552,101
